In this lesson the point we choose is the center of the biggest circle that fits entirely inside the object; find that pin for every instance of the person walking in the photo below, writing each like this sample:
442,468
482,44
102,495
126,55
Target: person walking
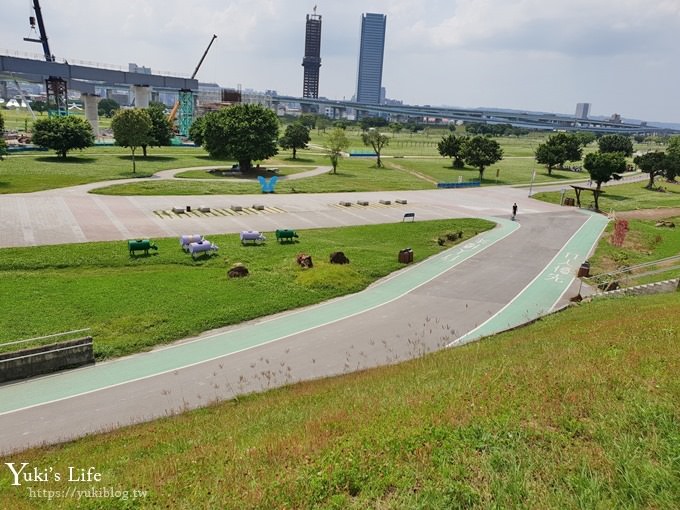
514,210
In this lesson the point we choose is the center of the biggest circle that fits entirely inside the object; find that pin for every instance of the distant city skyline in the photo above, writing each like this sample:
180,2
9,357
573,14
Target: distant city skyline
516,54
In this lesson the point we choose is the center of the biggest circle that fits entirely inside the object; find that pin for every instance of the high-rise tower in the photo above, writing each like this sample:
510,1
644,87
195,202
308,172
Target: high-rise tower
312,60
582,110
369,81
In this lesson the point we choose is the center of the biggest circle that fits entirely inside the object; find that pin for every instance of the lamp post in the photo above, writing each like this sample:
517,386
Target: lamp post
531,186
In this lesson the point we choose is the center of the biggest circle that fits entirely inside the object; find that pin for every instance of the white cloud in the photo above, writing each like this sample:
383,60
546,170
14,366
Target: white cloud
529,54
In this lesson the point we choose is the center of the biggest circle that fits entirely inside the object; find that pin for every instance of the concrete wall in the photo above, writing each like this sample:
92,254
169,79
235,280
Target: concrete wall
45,359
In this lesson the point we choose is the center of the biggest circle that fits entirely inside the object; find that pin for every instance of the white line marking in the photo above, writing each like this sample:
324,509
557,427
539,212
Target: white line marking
460,339
244,327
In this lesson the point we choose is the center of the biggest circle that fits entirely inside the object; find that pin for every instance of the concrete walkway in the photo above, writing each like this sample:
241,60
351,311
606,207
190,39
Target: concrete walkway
72,215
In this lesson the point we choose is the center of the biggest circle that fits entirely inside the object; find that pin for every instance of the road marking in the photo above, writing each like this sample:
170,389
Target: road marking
554,280
55,388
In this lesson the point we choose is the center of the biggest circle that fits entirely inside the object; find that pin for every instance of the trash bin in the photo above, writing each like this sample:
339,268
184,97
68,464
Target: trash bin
584,270
406,256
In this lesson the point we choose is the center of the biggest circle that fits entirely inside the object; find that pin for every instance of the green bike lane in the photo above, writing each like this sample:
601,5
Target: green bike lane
536,299
541,295
64,385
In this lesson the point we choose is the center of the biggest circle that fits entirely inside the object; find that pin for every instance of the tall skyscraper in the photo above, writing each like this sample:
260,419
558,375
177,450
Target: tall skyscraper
369,81
582,110
312,60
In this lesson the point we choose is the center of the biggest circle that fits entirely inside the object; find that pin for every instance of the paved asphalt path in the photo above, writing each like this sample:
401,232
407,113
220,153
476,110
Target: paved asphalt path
428,306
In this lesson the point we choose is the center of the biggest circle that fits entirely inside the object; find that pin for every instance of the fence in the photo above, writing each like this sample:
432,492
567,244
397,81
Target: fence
631,275
468,184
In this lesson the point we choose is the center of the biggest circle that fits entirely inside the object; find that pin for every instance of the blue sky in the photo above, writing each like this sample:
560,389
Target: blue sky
619,55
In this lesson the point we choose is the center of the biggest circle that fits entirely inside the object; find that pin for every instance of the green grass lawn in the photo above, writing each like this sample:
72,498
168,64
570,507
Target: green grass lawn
353,175
514,170
644,242
579,410
21,120
26,172
134,303
282,171
624,197
415,155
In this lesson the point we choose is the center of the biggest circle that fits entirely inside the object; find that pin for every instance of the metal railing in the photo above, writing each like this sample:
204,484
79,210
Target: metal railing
39,339
626,275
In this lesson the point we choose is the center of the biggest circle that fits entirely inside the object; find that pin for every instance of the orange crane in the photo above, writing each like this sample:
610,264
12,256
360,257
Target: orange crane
173,112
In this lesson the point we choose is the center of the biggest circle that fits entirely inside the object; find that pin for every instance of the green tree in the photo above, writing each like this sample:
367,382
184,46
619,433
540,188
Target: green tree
550,156
336,144
480,152
244,132
396,127
367,123
377,140
161,128
295,137
107,107
674,145
413,126
616,143
451,146
308,120
196,130
2,123
672,166
132,128
603,167
673,155
585,138
652,163
558,149
63,134
322,123
39,106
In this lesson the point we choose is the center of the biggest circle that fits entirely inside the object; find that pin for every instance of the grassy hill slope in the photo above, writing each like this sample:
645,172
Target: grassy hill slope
579,410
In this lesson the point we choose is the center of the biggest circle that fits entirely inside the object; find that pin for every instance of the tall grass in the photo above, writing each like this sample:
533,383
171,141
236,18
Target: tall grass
579,410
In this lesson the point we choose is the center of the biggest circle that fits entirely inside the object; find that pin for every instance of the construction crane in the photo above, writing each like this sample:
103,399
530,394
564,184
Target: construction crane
173,112
57,93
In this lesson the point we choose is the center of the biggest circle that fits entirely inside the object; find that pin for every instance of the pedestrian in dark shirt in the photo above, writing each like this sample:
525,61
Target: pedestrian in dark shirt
514,210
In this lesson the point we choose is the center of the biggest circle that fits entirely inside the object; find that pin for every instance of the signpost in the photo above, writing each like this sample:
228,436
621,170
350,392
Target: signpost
533,176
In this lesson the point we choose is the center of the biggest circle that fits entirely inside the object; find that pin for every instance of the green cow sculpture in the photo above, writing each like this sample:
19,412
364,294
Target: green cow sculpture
141,245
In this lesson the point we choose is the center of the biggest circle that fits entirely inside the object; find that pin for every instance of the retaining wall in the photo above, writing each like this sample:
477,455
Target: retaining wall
45,359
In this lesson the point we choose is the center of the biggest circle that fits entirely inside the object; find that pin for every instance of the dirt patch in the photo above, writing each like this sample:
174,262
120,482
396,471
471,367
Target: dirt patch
649,214
413,173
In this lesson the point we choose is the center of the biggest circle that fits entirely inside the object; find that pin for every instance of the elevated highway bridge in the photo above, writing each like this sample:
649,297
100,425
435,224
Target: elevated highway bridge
530,120
84,77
